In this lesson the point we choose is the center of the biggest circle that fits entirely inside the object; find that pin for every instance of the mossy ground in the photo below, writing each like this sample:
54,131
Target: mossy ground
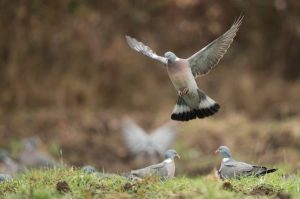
73,183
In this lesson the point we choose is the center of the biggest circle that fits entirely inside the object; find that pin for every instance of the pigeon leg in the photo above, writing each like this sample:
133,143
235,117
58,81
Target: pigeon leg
183,92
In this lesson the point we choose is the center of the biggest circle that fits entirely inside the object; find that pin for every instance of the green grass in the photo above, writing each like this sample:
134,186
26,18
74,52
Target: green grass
73,183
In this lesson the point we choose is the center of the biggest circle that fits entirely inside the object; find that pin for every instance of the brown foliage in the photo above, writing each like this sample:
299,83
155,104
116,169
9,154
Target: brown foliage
72,53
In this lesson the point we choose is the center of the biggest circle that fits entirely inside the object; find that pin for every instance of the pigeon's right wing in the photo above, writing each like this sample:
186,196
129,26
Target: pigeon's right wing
142,48
164,136
135,137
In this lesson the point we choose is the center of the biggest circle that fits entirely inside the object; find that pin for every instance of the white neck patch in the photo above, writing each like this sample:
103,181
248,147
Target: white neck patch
225,159
169,160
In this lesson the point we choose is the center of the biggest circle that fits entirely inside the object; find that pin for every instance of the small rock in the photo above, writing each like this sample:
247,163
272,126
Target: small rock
63,187
227,186
262,190
128,186
89,169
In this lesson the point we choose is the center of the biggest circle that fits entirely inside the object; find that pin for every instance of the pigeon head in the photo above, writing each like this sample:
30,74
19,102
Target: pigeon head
224,151
171,154
170,56
3,154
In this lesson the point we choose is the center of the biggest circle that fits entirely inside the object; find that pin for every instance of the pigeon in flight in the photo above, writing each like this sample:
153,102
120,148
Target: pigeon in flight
231,168
192,102
164,170
148,147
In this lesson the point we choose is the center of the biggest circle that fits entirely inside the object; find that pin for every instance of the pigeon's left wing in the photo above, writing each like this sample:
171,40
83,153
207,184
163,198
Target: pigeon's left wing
209,56
142,48
239,168
164,136
150,170
134,136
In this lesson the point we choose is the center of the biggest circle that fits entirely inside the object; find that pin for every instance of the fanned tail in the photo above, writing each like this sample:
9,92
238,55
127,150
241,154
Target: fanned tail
206,108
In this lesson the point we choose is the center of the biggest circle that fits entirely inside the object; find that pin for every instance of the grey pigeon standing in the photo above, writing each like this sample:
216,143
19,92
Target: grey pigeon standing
32,157
148,146
192,102
231,168
8,165
165,169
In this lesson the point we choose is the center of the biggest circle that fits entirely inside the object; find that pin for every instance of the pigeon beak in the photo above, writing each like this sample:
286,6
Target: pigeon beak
217,151
178,156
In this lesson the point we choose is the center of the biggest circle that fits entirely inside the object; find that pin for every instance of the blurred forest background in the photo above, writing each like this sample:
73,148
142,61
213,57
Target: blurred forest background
68,76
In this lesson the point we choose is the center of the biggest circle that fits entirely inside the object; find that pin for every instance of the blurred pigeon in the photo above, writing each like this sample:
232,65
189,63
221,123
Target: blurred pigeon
148,146
4,177
165,169
8,166
192,102
32,157
89,169
231,168
103,175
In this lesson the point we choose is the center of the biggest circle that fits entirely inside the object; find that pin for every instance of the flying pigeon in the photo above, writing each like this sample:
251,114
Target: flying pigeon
148,146
164,170
231,168
31,156
192,102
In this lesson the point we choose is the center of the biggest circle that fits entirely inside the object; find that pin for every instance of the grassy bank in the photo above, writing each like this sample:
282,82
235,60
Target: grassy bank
73,183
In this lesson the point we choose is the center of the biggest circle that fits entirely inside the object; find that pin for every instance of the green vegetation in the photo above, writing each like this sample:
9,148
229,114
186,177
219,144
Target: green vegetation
73,183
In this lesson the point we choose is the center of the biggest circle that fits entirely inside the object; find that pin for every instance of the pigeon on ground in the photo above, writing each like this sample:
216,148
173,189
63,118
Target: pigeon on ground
88,169
192,102
32,157
231,168
8,165
145,146
5,177
164,170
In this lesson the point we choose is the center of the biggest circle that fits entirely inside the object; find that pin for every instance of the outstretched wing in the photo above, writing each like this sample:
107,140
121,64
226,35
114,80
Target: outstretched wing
142,48
134,136
164,136
209,56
